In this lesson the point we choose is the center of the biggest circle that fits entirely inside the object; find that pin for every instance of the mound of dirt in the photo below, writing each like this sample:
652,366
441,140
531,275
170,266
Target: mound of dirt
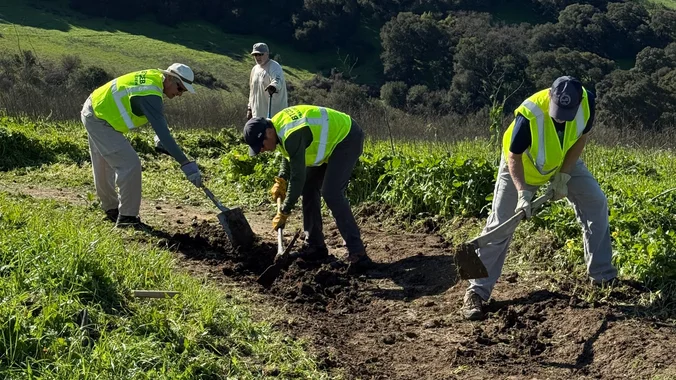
321,286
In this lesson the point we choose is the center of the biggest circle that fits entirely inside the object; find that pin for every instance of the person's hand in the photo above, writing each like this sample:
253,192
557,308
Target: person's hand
560,186
192,173
271,89
249,114
279,220
523,203
278,190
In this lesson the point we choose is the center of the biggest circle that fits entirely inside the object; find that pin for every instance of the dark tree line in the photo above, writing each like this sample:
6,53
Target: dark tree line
442,56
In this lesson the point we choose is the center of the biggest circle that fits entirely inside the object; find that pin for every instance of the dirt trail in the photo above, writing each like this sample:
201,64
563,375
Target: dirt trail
401,321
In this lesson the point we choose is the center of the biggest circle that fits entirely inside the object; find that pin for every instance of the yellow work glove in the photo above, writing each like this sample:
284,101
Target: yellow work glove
278,190
560,185
279,220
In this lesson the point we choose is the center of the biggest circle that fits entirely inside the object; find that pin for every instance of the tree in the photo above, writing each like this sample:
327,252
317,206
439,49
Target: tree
394,94
630,99
416,50
588,67
489,68
323,23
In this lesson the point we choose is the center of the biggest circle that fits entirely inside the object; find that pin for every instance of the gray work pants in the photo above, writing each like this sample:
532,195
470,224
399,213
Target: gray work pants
330,182
591,210
114,161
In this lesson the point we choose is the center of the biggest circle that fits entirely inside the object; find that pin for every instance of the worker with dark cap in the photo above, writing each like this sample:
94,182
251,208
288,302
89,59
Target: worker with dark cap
320,148
543,144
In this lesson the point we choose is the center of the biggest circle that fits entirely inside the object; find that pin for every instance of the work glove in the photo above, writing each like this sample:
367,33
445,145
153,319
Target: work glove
192,172
249,114
278,190
523,203
560,186
271,89
279,220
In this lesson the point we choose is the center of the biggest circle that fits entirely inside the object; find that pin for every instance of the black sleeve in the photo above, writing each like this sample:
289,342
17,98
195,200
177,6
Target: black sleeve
521,138
592,111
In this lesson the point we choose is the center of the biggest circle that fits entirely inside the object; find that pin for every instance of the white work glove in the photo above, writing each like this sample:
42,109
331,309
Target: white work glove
523,203
192,172
560,186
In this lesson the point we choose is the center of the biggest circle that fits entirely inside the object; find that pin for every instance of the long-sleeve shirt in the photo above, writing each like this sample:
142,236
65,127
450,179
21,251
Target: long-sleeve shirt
293,169
521,132
270,73
152,107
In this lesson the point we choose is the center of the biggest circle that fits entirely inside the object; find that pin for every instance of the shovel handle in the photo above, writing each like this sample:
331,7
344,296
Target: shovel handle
280,231
499,232
270,107
213,199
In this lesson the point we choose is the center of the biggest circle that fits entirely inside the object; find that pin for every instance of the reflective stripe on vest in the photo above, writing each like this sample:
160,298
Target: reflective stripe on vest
323,121
118,95
547,149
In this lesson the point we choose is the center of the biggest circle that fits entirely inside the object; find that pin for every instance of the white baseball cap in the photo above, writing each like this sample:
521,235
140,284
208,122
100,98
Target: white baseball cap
182,72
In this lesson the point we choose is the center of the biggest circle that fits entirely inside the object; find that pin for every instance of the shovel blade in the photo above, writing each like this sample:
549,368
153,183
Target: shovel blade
273,271
236,227
468,264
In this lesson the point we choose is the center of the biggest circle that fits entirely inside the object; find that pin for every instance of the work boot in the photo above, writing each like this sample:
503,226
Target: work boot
112,214
125,221
472,306
313,252
358,262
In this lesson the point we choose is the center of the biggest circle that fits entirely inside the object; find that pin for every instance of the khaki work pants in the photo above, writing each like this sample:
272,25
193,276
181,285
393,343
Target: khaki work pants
114,162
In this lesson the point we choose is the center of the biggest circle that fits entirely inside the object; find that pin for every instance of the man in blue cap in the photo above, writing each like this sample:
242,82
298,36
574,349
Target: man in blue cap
543,144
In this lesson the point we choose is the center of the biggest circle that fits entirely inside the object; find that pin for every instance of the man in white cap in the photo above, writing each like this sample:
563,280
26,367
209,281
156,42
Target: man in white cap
543,144
266,79
125,103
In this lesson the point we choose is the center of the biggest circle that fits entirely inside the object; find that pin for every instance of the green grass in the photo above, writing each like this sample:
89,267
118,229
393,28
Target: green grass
58,262
121,47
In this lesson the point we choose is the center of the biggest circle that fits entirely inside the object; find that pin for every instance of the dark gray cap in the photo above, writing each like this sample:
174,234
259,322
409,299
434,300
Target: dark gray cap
254,133
260,48
565,97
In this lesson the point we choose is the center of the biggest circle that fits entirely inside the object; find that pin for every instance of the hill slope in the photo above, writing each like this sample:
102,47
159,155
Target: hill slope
120,47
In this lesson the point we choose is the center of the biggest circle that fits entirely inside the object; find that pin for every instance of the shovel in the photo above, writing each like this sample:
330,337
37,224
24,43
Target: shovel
468,263
234,223
283,259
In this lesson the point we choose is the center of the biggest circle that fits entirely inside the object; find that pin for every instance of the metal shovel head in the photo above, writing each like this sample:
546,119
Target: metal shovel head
467,263
282,261
236,227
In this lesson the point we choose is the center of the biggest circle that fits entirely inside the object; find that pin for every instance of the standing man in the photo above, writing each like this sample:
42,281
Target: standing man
543,144
320,147
266,79
122,104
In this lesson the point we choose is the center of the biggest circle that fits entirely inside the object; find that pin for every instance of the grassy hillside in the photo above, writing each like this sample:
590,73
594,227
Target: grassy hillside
121,47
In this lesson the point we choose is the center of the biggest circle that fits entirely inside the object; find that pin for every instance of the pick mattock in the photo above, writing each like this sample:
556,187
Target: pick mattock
467,262
283,258
234,223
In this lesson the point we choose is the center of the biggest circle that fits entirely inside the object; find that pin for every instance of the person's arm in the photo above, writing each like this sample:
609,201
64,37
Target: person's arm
251,91
276,75
575,151
295,145
573,155
152,108
521,140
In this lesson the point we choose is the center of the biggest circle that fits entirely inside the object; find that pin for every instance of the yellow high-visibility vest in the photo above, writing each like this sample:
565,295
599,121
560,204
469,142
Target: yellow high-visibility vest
112,101
546,152
328,126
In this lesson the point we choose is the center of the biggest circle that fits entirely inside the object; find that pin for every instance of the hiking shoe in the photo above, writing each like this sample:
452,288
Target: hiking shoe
358,262
313,252
472,306
112,214
125,221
